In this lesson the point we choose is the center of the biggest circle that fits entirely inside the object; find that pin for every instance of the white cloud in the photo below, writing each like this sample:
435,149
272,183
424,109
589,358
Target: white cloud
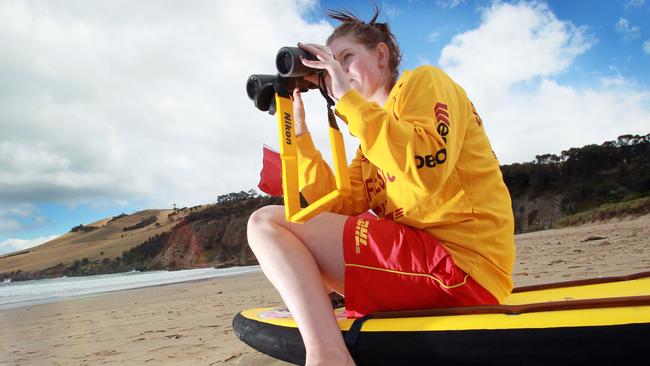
13,218
514,43
646,47
634,4
15,245
390,10
627,30
124,100
9,224
449,3
508,67
433,36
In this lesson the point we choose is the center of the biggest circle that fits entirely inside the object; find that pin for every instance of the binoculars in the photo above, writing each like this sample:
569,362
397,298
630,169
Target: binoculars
271,92
261,88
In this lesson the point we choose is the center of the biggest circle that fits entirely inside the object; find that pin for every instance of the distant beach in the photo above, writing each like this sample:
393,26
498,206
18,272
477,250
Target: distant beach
190,323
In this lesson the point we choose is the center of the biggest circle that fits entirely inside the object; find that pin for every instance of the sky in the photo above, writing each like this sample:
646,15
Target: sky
112,106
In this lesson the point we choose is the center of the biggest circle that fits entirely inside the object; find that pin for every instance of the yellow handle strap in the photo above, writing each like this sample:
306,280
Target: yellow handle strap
289,156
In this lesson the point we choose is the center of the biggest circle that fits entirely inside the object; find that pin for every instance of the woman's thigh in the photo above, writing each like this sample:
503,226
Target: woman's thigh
322,236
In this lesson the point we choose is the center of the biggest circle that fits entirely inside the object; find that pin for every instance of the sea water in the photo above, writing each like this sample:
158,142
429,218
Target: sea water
23,293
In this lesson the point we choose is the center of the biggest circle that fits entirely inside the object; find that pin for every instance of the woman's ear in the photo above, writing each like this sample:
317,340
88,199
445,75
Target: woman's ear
382,54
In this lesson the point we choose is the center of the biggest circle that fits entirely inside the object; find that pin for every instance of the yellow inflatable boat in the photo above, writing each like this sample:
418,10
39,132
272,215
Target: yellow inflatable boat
596,322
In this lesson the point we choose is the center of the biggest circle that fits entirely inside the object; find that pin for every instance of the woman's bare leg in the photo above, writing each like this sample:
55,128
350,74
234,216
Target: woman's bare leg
297,259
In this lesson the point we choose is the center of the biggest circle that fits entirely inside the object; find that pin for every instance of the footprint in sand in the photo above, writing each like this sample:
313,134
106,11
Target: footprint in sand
106,353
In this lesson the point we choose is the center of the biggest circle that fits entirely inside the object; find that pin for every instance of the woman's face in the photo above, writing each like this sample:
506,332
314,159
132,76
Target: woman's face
364,68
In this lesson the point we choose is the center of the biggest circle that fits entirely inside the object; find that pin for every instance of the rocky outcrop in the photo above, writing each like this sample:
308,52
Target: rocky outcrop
215,243
215,236
532,214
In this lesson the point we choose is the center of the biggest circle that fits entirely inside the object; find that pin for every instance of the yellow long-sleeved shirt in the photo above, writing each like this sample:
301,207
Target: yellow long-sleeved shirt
426,162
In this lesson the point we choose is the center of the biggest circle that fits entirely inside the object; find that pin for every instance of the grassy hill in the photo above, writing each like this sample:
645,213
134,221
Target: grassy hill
105,238
207,235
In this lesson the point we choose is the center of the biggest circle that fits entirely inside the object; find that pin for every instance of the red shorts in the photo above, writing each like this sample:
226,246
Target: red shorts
392,267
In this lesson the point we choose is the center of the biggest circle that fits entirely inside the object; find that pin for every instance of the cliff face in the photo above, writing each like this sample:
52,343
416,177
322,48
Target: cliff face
532,214
214,236
213,242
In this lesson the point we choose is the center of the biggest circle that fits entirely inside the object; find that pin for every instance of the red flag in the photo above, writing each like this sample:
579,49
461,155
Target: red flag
271,174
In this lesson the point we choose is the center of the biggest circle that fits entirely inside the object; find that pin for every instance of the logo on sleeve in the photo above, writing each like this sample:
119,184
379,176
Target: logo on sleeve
442,116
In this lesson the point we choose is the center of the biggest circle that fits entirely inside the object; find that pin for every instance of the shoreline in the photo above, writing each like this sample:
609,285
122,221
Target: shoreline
47,300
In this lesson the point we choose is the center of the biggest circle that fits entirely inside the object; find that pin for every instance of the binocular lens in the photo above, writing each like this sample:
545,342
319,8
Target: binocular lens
260,90
252,87
288,63
284,62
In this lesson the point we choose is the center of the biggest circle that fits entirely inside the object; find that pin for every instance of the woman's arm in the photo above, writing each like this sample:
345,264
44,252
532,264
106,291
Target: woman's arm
316,178
419,140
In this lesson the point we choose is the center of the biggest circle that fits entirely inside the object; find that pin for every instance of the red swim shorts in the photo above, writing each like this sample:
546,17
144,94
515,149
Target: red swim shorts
392,267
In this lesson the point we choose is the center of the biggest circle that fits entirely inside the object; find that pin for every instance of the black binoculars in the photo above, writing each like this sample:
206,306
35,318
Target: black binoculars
261,88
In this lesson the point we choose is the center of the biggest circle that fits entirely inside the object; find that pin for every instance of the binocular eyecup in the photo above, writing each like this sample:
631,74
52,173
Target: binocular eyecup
261,88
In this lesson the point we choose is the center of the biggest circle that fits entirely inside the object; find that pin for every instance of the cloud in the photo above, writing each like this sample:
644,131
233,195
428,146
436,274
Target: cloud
449,3
627,30
646,47
143,101
630,4
509,65
390,10
9,224
15,218
514,43
15,245
433,36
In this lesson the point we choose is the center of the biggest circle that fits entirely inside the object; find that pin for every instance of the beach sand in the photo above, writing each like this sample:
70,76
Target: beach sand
190,323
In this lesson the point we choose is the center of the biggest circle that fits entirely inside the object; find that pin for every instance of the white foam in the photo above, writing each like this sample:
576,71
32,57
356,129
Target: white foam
23,293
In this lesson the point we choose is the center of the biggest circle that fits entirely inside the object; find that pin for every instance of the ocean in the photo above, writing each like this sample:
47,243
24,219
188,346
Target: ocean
25,293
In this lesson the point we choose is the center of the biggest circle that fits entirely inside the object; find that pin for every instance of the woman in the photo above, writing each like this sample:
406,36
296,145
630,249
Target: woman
444,235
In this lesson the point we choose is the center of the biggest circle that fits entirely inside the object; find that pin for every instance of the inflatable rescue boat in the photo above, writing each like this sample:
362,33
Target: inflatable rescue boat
597,322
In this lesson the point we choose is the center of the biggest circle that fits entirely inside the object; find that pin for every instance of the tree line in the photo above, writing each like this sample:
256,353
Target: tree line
587,176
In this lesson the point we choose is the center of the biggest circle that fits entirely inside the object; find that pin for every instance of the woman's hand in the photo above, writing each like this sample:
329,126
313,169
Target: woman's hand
299,113
335,79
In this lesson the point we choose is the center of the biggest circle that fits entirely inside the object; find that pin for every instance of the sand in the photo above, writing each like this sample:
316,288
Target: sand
190,323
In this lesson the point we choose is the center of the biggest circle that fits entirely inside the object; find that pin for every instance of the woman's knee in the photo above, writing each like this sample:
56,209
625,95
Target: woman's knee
262,217
265,215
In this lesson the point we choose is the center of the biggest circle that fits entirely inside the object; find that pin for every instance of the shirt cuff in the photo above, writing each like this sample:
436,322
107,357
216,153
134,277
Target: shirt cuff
348,108
305,146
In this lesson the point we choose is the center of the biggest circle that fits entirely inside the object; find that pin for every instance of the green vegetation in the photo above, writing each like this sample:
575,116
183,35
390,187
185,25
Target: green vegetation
586,177
236,196
634,207
233,204
82,228
117,217
144,222
140,257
